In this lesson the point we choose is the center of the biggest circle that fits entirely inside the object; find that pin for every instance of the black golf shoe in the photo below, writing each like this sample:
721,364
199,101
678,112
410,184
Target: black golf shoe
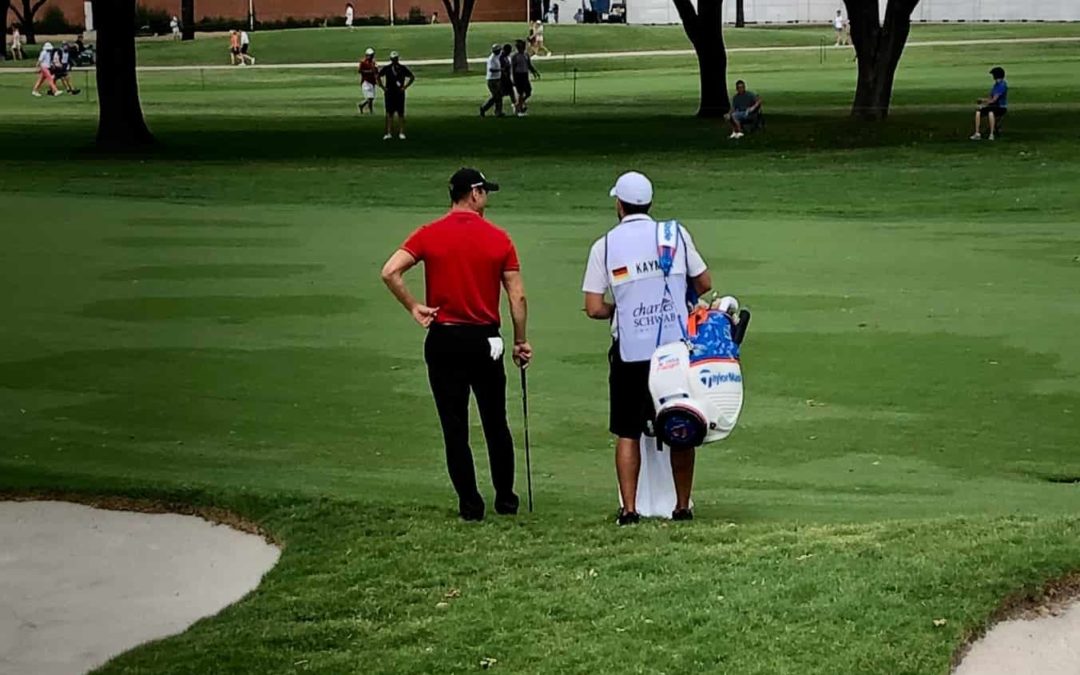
628,518
507,506
682,514
471,510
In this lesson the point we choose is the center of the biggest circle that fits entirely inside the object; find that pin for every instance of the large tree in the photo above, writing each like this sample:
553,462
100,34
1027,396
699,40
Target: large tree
740,14
878,47
187,19
120,117
460,13
25,15
5,5
704,27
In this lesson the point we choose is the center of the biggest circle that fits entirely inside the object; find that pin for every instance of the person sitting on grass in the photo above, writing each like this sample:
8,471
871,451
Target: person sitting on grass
744,107
994,106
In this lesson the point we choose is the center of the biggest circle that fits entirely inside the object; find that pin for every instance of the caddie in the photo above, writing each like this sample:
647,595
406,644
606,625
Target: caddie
647,309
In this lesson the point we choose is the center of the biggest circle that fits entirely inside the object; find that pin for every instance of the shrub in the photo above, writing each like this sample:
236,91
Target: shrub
154,21
416,16
53,22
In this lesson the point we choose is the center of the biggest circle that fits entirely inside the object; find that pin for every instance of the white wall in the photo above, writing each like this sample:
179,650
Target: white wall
822,11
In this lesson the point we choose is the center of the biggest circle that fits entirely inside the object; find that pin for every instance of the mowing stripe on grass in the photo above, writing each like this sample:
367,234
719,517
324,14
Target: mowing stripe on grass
582,57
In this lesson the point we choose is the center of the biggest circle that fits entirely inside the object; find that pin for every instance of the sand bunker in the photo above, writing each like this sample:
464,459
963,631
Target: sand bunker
80,585
1045,645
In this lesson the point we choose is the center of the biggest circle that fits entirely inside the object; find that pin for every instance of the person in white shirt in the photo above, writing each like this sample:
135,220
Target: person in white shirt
16,44
840,27
44,73
245,49
648,308
349,15
494,83
174,24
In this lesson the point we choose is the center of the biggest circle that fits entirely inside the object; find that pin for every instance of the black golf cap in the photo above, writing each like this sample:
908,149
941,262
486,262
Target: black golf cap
465,179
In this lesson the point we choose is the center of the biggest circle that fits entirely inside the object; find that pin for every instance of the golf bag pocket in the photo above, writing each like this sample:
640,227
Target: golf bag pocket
697,386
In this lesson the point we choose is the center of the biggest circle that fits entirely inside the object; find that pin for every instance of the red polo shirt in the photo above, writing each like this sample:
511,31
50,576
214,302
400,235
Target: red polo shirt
464,259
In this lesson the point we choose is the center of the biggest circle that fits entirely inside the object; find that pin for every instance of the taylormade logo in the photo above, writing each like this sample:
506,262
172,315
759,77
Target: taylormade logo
711,379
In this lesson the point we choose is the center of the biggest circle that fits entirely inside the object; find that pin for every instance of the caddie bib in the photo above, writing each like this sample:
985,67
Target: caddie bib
650,307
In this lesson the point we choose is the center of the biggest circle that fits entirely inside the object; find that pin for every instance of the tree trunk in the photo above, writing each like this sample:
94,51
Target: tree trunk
187,19
740,14
704,27
26,19
120,117
461,54
878,48
460,13
5,5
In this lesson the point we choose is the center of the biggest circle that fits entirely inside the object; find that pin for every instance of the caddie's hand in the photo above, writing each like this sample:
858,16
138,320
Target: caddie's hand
424,315
522,354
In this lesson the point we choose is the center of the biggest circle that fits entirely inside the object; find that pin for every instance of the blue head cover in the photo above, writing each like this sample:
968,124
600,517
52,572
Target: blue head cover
713,340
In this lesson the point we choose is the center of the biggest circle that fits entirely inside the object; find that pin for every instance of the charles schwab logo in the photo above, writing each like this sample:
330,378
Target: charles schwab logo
711,379
655,314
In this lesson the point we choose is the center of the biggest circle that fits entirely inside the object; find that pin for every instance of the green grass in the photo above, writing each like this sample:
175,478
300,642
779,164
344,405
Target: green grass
205,324
317,45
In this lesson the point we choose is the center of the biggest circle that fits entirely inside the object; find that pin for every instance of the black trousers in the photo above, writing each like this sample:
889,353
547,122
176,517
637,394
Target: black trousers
496,98
459,361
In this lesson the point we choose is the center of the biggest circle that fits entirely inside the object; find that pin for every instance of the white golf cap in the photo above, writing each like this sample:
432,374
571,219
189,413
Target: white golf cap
633,188
369,52
394,55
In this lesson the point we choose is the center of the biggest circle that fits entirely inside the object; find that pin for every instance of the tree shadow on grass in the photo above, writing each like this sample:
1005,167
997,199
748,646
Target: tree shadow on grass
559,135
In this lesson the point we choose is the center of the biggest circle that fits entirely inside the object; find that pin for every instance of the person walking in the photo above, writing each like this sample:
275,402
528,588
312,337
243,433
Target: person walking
349,15
522,67
506,80
16,44
648,309
369,78
174,27
494,82
466,261
394,79
234,47
245,49
45,72
840,28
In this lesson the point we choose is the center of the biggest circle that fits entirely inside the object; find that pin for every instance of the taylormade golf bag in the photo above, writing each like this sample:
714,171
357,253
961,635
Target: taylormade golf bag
697,384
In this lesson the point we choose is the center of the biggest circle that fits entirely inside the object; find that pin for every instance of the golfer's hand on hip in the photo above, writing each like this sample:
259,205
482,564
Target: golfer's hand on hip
424,315
522,354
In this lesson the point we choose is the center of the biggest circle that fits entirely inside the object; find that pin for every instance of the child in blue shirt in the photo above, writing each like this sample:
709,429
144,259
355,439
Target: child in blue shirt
995,106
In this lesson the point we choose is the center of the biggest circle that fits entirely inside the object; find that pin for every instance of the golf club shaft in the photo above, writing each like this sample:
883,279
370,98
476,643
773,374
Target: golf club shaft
525,412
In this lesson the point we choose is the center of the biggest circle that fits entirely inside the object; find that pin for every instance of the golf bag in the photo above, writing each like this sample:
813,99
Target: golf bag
697,384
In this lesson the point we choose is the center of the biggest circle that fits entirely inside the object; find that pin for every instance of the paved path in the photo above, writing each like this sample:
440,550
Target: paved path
590,56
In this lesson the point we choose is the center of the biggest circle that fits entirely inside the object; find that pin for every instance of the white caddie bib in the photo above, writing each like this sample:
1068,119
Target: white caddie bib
646,315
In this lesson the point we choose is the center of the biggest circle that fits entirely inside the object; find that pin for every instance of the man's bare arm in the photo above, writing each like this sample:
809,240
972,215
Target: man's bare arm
393,275
519,314
519,311
702,283
598,308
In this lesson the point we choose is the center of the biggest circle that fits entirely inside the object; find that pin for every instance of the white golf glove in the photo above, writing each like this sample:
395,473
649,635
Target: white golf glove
496,348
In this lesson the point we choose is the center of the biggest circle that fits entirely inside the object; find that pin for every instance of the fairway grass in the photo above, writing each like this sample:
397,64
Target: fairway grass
205,325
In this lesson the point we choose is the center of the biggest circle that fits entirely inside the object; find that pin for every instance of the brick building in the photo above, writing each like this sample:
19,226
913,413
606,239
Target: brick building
75,11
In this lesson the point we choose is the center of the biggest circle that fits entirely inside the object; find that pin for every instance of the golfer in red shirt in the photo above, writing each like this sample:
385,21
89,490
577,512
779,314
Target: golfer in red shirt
467,261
